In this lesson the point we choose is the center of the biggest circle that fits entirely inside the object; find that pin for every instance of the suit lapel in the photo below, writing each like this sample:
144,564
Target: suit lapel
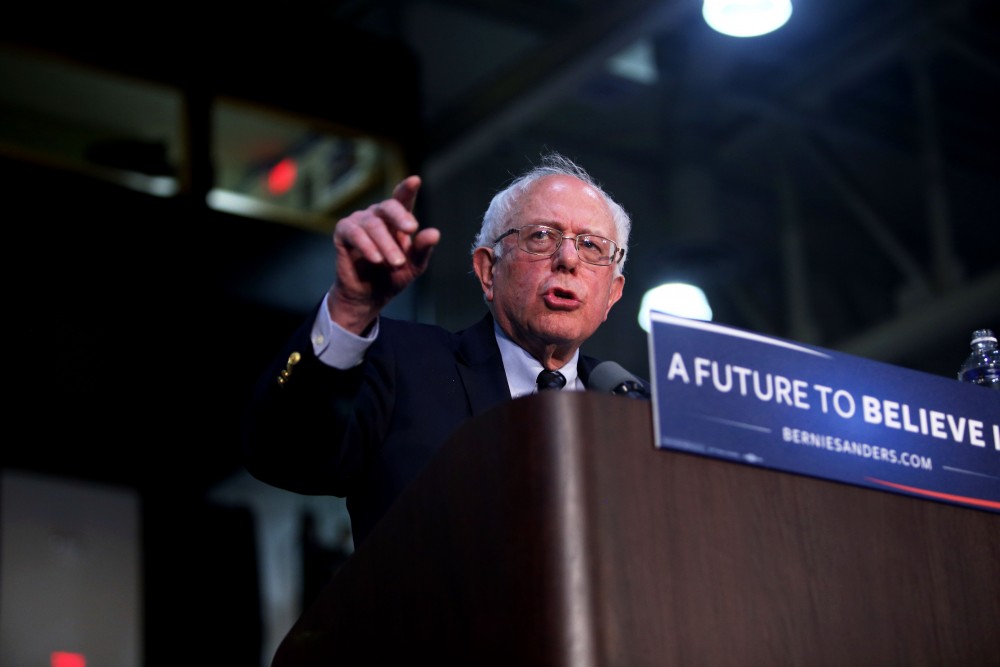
584,366
481,367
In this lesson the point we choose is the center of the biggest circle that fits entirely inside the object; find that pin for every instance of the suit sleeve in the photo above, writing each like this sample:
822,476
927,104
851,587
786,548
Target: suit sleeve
294,430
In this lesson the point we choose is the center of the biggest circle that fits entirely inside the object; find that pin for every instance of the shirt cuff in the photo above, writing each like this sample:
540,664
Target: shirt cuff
336,346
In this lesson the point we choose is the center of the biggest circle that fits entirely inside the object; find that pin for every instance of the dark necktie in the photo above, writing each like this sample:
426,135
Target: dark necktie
550,380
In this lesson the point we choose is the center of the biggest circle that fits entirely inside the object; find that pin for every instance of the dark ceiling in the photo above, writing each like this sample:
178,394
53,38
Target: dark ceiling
832,183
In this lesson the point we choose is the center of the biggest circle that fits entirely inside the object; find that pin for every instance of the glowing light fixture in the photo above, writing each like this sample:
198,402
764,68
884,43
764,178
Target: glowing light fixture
746,18
67,659
678,299
281,177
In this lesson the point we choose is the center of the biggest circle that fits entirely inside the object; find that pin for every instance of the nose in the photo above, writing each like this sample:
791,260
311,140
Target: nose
567,254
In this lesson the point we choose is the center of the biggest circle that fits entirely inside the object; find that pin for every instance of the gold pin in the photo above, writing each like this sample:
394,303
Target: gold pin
293,359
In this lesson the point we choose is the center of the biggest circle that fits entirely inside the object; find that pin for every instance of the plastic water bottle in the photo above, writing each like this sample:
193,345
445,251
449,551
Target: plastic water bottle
982,366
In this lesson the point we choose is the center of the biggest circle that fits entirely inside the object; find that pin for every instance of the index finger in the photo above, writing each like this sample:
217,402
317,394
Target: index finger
406,192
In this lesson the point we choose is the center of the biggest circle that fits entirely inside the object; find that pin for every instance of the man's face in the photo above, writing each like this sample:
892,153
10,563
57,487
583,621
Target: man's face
551,305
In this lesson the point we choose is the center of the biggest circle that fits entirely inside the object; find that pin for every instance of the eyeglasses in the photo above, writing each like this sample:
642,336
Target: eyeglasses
545,241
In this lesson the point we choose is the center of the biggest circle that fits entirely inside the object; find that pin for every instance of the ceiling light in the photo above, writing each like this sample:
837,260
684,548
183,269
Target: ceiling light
680,299
746,18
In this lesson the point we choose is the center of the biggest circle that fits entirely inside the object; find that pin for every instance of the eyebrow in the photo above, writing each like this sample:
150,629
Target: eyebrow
562,228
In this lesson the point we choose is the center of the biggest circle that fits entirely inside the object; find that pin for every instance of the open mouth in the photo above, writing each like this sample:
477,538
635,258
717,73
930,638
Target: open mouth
561,299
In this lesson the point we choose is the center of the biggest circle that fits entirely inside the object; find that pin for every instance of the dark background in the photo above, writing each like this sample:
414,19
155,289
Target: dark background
832,183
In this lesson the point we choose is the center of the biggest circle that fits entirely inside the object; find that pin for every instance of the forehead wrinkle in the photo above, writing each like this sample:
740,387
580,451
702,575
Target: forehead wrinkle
596,216
561,227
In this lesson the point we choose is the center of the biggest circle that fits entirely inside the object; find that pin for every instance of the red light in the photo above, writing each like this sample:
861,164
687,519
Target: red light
281,178
64,659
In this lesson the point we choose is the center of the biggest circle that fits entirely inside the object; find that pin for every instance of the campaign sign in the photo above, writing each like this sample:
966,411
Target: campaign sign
728,393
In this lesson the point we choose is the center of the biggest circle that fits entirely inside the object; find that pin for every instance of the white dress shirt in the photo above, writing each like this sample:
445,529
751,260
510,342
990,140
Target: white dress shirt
337,347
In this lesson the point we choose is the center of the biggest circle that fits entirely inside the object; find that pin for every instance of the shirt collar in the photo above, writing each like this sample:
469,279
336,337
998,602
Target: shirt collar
522,369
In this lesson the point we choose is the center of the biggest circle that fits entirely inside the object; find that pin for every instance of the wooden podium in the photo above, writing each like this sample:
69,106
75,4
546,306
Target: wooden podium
551,532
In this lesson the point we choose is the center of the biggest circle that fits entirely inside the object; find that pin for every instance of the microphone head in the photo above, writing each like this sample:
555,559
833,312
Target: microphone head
610,377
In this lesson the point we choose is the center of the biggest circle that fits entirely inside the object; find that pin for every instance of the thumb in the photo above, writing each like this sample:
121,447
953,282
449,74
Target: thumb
423,245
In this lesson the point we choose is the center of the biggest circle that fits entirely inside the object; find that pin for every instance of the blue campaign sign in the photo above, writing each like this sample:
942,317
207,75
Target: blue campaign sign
728,393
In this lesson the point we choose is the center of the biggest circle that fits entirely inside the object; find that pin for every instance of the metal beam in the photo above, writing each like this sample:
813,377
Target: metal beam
869,218
874,47
470,128
917,330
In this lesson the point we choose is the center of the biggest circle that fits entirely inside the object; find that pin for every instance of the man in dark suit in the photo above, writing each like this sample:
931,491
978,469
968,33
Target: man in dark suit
359,403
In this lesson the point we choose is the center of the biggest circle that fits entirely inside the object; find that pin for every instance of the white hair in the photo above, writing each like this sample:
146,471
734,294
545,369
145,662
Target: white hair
498,213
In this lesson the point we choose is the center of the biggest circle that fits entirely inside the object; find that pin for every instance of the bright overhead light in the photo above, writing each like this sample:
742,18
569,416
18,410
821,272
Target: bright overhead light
678,299
746,18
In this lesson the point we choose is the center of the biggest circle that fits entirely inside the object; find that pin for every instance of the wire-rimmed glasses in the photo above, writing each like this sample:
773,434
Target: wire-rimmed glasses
545,241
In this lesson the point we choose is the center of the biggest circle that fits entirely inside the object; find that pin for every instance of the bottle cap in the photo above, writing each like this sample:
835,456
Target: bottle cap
983,336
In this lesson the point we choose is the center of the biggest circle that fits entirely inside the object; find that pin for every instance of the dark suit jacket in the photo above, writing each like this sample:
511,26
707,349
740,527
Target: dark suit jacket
365,433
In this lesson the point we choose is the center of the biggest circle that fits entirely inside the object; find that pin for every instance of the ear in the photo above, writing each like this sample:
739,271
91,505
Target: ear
615,293
483,263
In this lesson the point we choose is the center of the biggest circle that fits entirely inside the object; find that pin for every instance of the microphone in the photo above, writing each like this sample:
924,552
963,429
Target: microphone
610,377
